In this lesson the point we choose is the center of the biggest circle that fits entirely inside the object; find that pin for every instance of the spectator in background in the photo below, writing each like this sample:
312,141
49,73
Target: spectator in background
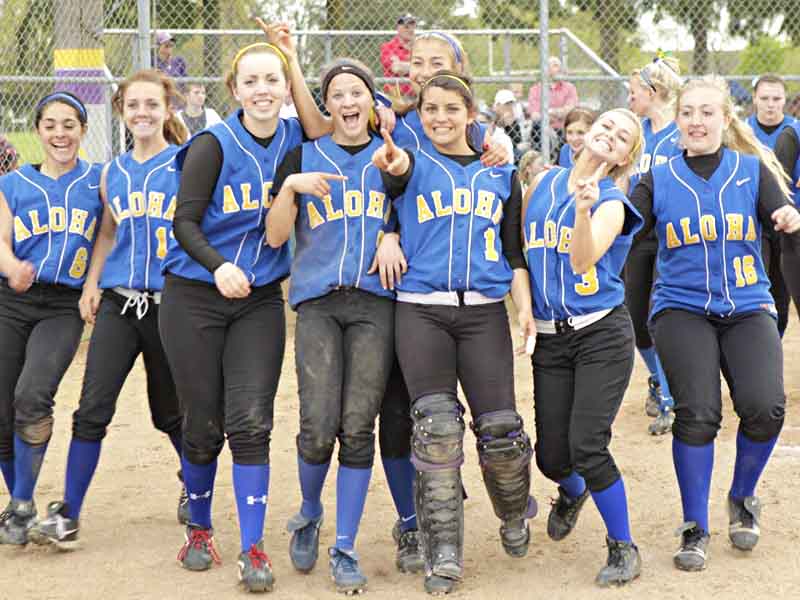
396,56
793,106
497,134
520,110
578,122
195,115
563,98
8,156
769,102
506,117
169,64
165,61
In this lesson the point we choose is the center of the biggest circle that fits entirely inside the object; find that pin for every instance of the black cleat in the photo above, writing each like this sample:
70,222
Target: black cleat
743,514
437,585
304,545
651,405
255,569
692,554
409,552
564,514
198,552
624,564
56,529
21,517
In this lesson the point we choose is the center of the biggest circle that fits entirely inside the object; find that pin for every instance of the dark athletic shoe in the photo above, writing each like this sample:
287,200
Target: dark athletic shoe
346,573
14,529
653,396
623,566
409,557
564,513
255,569
56,529
304,545
436,585
198,552
693,552
662,423
743,530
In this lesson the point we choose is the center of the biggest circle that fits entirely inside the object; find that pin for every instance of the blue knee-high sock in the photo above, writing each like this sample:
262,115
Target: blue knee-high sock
613,506
693,467
351,494
7,467
251,486
666,396
177,441
751,458
199,482
574,485
312,478
400,475
650,359
27,464
81,464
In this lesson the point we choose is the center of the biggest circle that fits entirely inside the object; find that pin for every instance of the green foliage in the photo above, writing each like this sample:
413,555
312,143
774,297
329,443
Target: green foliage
764,56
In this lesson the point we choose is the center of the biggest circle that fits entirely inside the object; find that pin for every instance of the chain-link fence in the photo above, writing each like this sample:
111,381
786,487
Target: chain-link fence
87,45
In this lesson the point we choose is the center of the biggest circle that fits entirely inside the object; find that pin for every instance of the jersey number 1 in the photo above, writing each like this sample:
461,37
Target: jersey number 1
161,236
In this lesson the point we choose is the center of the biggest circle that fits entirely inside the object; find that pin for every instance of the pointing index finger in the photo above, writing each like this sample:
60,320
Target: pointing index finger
387,139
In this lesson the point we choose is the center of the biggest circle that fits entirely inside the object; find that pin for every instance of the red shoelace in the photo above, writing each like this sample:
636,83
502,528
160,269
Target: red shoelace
258,557
201,540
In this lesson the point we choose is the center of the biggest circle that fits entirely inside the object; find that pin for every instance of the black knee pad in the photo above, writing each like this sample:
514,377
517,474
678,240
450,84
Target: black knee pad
316,449
693,433
38,433
201,455
505,453
765,428
438,434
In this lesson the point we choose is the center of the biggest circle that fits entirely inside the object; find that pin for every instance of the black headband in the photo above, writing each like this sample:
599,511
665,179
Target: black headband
347,68
66,98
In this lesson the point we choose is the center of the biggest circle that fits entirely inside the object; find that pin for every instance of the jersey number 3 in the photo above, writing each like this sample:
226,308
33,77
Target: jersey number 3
589,284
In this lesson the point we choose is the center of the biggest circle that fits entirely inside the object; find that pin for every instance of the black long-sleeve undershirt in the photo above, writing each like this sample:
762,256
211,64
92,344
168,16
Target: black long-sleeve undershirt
787,149
770,196
509,226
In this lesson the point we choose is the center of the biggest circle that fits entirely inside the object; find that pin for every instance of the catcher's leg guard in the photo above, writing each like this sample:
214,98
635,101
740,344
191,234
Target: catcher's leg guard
437,453
505,456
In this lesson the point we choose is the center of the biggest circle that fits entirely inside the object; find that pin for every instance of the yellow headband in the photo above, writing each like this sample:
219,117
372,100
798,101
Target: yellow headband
272,47
446,76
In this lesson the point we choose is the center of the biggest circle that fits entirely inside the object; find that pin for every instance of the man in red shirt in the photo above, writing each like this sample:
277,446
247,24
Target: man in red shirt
396,54
563,97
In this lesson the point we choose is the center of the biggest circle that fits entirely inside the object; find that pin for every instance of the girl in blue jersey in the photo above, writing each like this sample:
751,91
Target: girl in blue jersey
578,229
222,320
712,310
576,124
431,52
49,215
768,121
333,196
460,233
122,293
651,97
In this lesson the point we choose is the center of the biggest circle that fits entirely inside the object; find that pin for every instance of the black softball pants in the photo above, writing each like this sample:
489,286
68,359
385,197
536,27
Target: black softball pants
439,346
695,347
640,272
40,331
579,380
225,356
117,340
344,348
771,255
395,425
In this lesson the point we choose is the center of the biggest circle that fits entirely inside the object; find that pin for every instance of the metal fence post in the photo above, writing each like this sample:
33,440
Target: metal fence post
143,12
544,53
